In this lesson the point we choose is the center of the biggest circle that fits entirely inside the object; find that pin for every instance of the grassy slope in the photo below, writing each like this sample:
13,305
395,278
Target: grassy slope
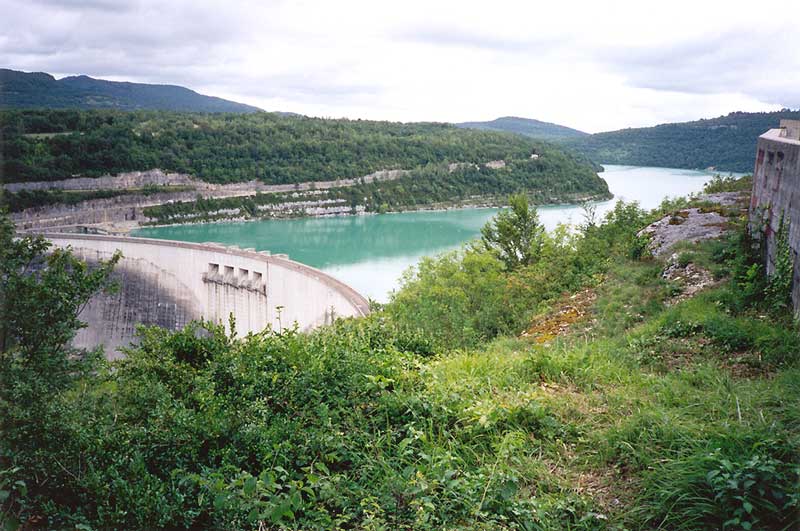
640,416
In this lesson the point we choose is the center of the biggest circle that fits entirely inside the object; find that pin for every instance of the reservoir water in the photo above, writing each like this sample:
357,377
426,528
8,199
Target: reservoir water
371,252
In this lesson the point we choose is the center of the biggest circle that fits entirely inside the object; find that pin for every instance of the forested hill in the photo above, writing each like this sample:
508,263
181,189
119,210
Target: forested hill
274,149
33,90
728,143
526,127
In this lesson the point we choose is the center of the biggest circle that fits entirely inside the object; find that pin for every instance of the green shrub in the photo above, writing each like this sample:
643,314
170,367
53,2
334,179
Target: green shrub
457,299
719,183
752,287
732,488
778,291
779,345
515,235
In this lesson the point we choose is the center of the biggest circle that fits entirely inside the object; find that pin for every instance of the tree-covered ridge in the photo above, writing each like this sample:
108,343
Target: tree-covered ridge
222,148
727,143
36,90
526,127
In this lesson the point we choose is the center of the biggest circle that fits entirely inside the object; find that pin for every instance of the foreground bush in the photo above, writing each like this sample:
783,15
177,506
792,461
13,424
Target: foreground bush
653,416
196,429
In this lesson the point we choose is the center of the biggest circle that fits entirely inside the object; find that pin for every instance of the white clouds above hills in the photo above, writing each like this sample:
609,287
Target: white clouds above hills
590,65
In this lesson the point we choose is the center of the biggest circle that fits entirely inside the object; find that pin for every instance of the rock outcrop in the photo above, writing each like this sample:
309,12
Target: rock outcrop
690,225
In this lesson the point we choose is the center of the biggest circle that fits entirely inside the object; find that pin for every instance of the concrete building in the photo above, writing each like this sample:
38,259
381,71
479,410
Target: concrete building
170,283
776,193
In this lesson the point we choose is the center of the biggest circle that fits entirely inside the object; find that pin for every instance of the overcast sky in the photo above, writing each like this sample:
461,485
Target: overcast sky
593,65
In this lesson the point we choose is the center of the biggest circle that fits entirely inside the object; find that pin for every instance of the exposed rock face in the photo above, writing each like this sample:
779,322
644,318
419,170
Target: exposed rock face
723,198
454,166
123,181
114,210
156,177
127,210
690,225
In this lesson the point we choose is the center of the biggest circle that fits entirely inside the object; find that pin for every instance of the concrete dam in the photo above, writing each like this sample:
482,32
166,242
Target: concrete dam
776,195
169,284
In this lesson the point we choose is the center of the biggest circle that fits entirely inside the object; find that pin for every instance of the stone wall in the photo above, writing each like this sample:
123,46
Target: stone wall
170,283
776,194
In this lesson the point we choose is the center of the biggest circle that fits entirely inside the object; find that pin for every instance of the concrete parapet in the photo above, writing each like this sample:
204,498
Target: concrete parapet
790,129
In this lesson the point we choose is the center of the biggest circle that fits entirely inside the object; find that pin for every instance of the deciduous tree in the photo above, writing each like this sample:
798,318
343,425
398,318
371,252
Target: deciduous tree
515,235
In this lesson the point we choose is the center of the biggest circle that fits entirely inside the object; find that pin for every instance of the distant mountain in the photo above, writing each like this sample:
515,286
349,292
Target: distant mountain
26,90
727,143
526,127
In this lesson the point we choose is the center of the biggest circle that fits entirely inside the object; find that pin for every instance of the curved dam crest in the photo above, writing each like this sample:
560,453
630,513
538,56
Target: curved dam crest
169,284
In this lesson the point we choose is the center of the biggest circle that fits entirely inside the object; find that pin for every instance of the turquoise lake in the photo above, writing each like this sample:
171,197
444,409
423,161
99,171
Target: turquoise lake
371,252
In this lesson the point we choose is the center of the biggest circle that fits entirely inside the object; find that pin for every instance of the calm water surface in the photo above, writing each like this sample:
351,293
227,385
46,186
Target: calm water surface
370,252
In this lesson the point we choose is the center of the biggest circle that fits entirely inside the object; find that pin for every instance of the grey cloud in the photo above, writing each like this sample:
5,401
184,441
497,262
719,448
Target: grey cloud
449,36
42,26
754,64
103,5
301,86
195,44
144,42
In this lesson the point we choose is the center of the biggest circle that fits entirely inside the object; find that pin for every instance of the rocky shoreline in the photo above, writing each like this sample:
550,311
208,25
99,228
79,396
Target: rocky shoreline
126,212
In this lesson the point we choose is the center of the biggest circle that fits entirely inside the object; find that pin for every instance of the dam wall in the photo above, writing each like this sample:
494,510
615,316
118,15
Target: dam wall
776,194
169,284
